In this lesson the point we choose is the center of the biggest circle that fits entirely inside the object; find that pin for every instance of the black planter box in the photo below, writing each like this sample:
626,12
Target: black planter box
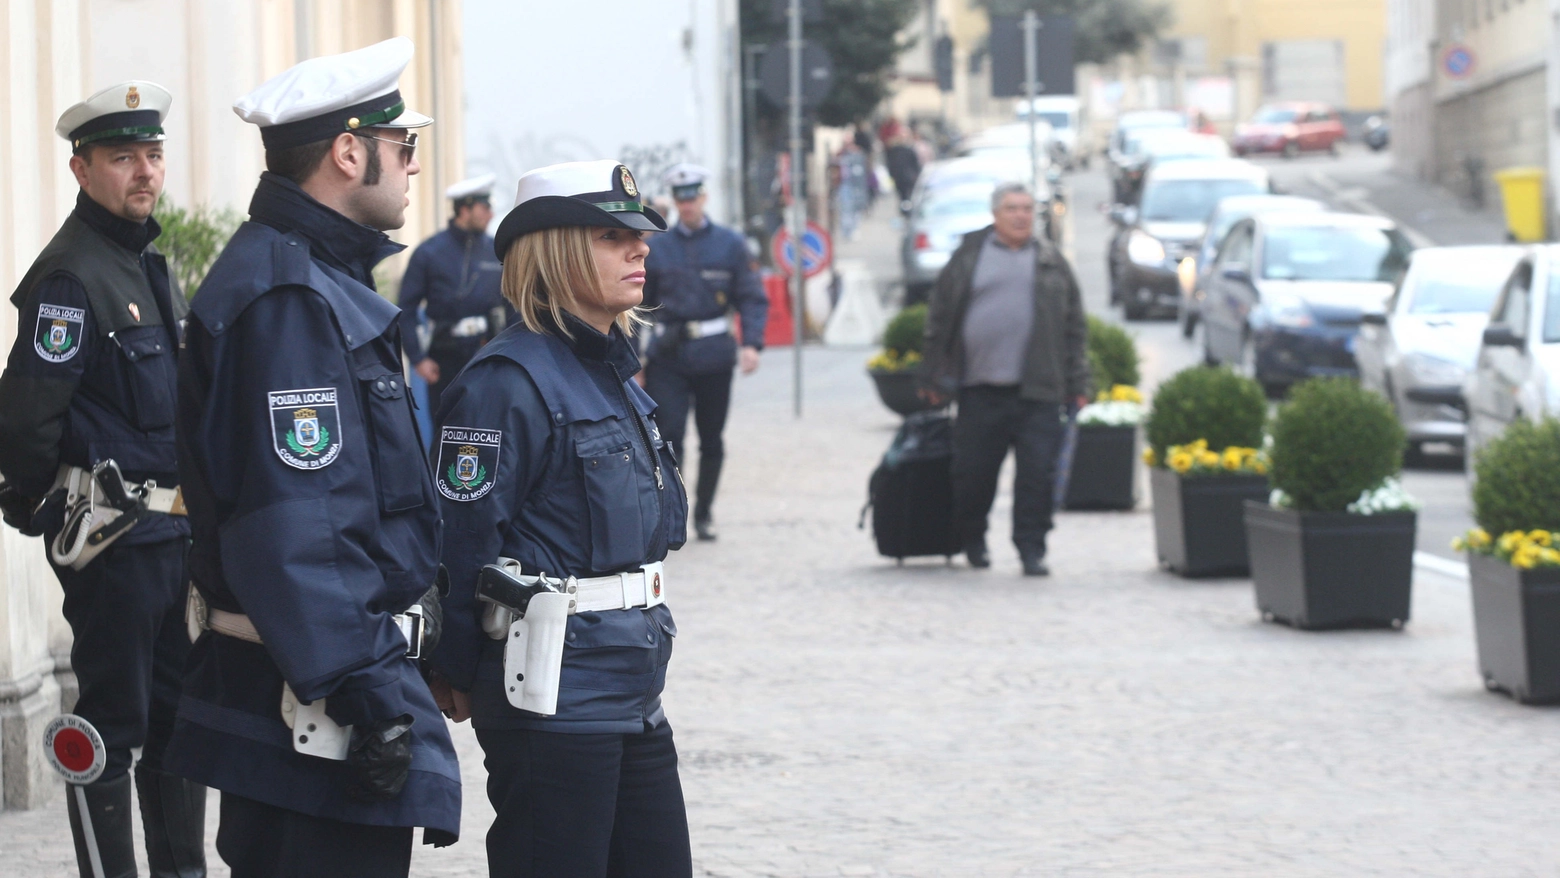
897,390
1331,569
1516,617
1104,469
1197,521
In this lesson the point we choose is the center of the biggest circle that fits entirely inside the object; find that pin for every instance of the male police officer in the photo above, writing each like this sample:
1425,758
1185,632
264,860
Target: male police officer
695,276
316,527
86,418
454,276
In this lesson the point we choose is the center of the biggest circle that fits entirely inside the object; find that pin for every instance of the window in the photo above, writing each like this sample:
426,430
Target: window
1236,252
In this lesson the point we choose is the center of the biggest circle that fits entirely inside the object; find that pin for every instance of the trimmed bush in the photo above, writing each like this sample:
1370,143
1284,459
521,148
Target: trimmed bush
1518,486
1332,441
906,333
1113,356
193,238
1213,404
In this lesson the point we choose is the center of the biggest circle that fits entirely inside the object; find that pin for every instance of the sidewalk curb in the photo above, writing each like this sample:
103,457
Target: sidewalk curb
1457,570
1365,205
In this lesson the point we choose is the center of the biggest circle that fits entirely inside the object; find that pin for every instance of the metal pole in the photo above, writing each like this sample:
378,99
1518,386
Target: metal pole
1031,27
798,205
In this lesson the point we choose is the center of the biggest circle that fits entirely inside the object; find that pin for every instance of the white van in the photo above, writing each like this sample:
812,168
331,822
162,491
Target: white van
1069,131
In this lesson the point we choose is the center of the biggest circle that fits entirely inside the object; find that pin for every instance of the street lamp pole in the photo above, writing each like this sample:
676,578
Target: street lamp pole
1031,29
798,205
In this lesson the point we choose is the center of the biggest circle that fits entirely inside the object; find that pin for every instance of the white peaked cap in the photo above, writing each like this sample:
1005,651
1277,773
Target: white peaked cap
132,110
686,174
322,97
482,185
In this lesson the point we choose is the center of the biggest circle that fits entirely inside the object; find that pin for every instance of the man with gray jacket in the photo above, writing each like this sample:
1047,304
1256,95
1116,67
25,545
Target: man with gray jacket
1005,334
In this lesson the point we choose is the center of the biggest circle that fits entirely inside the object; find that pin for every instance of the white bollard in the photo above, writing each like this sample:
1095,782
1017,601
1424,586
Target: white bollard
858,318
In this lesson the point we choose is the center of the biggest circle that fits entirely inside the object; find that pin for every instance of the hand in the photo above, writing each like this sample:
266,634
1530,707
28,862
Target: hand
429,370
931,396
639,378
380,755
452,702
747,358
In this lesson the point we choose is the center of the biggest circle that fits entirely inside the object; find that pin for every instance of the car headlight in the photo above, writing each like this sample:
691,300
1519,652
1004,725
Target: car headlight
1145,249
1289,312
1426,370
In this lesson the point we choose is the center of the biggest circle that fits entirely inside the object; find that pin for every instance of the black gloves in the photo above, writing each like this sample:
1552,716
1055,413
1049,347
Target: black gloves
17,510
380,755
433,620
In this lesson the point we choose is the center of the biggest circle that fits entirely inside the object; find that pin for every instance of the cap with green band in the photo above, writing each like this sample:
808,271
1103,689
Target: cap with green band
129,112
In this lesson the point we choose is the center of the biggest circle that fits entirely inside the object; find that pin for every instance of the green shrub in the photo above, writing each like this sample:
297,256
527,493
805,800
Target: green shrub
906,333
192,238
1113,356
1518,485
1204,403
1332,441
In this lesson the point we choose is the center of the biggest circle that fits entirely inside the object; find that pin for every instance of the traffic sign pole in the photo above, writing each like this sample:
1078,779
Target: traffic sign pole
798,205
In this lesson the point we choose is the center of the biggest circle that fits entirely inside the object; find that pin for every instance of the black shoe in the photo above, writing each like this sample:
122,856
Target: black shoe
100,824
706,530
1034,565
173,815
975,553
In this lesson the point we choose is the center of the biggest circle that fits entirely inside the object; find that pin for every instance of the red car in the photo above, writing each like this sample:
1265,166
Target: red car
1289,128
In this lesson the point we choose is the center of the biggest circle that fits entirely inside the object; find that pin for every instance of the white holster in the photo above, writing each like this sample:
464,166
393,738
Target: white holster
533,654
314,733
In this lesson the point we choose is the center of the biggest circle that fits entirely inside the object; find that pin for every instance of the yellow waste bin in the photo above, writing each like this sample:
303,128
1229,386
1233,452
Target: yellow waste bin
1522,190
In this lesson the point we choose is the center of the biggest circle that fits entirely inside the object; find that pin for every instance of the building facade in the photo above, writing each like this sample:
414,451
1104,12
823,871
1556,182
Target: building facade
207,53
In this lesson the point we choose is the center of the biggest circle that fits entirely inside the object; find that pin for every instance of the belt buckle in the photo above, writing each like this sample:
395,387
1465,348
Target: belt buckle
411,624
695,329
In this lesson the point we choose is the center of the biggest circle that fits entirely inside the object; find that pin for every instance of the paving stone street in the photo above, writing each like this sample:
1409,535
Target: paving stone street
838,714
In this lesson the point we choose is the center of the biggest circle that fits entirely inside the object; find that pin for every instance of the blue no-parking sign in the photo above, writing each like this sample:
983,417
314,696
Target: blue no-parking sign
817,250
1458,61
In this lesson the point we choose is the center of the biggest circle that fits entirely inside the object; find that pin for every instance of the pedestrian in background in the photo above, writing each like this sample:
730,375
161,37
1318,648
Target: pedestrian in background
904,166
696,276
1005,334
86,415
548,456
851,192
453,278
316,524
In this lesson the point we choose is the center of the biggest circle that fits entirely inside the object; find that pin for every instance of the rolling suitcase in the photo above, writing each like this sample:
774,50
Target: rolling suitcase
910,493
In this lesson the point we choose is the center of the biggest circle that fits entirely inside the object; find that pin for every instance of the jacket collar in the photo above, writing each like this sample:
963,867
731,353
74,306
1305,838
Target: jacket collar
588,343
334,239
131,235
463,236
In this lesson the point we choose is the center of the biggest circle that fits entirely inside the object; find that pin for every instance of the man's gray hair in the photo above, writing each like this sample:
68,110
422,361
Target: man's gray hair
1003,190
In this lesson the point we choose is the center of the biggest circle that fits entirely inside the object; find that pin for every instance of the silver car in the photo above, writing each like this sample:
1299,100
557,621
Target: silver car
1517,371
1420,350
937,223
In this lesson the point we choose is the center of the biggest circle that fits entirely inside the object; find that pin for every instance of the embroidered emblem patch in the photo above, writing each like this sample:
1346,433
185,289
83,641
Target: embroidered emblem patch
305,427
468,462
59,332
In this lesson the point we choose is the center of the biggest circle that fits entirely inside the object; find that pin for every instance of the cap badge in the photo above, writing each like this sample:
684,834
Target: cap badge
628,182
133,100
135,312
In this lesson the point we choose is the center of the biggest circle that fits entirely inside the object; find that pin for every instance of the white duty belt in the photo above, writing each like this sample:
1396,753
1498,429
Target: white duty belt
706,328
200,616
468,327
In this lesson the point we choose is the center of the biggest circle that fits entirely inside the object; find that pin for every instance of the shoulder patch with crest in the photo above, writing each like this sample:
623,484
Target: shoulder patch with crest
58,336
468,462
305,427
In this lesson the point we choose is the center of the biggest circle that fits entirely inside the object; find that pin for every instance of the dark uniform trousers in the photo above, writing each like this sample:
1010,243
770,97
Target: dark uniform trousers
674,391
991,420
263,841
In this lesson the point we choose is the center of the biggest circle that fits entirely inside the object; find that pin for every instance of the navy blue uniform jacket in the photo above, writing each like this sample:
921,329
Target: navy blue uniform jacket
701,275
313,512
565,484
453,275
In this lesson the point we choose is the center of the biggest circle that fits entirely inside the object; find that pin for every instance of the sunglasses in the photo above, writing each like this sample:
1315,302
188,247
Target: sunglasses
408,146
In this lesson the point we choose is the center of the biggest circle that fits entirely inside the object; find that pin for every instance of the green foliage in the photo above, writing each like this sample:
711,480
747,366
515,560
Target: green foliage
906,333
1332,441
192,238
1106,28
1218,405
1518,485
863,39
1113,356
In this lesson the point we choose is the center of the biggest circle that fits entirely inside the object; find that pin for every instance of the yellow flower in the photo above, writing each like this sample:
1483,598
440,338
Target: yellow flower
1510,541
1259,468
1208,458
1549,557
1125,393
1233,458
1479,538
1181,461
1542,537
910,359
1150,458
1199,446
1459,544
1525,557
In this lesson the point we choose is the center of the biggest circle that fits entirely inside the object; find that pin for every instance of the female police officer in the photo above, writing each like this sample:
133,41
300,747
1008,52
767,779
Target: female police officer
547,455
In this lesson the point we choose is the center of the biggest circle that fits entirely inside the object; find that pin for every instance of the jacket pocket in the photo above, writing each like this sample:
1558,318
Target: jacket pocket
612,494
150,369
399,465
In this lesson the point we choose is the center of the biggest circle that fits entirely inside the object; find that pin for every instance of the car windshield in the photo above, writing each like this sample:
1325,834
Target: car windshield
1188,201
1334,253
1273,116
1437,291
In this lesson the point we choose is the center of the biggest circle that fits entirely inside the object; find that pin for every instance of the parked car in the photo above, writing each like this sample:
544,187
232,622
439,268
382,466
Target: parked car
1516,372
1193,270
1070,139
1152,238
1158,146
999,166
1419,351
1287,292
934,229
1290,129
1010,138
1119,151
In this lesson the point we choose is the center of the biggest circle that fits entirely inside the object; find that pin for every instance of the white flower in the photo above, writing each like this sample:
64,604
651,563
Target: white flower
1111,414
1279,500
1389,496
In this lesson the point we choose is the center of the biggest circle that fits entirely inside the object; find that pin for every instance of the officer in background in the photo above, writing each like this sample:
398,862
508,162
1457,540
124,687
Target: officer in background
695,276
316,526
453,276
90,387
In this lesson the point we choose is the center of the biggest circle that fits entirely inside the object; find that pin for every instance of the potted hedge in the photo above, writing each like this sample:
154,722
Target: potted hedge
1333,546
1204,431
1515,577
1103,468
896,369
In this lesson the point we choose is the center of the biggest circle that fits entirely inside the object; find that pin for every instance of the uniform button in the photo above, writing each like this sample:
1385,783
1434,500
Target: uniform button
379,385
218,326
349,339
392,383
558,417
625,457
650,638
156,347
571,635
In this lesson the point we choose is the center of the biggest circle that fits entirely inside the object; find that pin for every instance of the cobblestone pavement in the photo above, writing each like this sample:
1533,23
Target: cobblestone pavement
841,715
